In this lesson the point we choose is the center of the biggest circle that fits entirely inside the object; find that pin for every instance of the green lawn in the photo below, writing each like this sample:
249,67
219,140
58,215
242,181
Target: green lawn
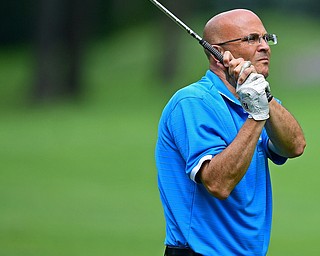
80,178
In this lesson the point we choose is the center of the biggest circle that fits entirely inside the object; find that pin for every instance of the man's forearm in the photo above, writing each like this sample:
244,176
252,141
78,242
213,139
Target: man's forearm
284,131
223,172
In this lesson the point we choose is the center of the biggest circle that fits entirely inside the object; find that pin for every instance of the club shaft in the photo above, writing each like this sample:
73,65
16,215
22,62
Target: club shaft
204,43
176,19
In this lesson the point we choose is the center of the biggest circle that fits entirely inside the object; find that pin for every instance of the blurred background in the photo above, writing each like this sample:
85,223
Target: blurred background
82,86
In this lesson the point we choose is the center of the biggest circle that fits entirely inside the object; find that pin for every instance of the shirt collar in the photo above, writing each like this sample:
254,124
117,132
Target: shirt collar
221,87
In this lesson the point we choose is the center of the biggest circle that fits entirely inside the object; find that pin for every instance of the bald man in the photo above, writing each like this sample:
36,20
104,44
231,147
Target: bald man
214,140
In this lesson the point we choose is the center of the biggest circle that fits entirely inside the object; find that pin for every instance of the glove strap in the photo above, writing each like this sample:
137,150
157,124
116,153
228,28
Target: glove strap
269,96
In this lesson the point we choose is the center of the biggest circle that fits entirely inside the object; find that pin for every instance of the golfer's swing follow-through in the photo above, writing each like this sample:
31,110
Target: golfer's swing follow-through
215,139
207,46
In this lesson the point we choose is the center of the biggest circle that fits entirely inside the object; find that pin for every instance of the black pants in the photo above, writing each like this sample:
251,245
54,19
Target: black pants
178,251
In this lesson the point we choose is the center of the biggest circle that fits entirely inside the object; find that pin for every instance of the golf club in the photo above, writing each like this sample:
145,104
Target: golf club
204,43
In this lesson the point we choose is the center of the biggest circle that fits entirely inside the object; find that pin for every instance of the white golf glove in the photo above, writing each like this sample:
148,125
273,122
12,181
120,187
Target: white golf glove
253,96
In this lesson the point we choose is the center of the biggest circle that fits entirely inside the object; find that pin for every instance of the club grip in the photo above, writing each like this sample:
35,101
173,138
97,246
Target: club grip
212,50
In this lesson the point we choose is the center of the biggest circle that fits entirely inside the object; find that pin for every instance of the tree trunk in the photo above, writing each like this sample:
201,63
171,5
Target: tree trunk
171,37
61,35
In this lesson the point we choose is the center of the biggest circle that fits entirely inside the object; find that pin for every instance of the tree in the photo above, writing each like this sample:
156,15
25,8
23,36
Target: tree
171,39
61,36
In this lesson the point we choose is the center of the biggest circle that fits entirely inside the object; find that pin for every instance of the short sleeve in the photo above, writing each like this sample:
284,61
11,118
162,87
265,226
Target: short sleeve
275,158
197,135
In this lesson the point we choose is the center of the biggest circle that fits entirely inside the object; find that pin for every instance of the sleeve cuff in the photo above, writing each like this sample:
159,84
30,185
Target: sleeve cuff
274,157
196,169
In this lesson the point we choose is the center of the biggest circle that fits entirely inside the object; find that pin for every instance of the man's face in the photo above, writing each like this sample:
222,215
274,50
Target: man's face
258,53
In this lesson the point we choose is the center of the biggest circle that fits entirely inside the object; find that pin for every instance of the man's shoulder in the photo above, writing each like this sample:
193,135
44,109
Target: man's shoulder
201,93
197,89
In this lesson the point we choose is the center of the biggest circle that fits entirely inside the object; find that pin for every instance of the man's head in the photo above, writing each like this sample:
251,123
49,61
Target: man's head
237,24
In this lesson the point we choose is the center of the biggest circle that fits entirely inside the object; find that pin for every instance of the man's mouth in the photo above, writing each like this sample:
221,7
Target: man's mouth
264,59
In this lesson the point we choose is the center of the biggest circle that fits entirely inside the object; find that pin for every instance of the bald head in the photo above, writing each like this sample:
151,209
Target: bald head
233,25
228,25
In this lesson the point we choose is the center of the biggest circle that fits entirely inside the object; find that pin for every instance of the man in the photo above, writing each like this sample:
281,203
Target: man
215,139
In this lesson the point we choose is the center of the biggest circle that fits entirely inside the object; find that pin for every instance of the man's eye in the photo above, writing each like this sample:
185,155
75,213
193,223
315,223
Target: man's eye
253,37
269,37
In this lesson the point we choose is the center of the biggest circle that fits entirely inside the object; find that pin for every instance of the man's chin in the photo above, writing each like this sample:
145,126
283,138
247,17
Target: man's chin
263,71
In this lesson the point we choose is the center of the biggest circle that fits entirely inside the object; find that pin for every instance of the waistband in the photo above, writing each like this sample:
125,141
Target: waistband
179,251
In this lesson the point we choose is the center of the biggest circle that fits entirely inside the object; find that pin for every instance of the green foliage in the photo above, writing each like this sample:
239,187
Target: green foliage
80,179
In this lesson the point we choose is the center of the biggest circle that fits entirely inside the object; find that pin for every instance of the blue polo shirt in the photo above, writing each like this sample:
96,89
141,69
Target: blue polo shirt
199,122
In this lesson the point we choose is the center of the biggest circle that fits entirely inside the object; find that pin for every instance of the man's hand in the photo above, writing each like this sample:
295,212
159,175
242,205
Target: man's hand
253,96
236,69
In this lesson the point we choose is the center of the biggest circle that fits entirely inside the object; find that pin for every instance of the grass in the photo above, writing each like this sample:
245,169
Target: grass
80,179
77,183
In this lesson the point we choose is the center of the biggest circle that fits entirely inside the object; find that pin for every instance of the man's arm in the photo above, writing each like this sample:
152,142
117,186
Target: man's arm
286,136
224,171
